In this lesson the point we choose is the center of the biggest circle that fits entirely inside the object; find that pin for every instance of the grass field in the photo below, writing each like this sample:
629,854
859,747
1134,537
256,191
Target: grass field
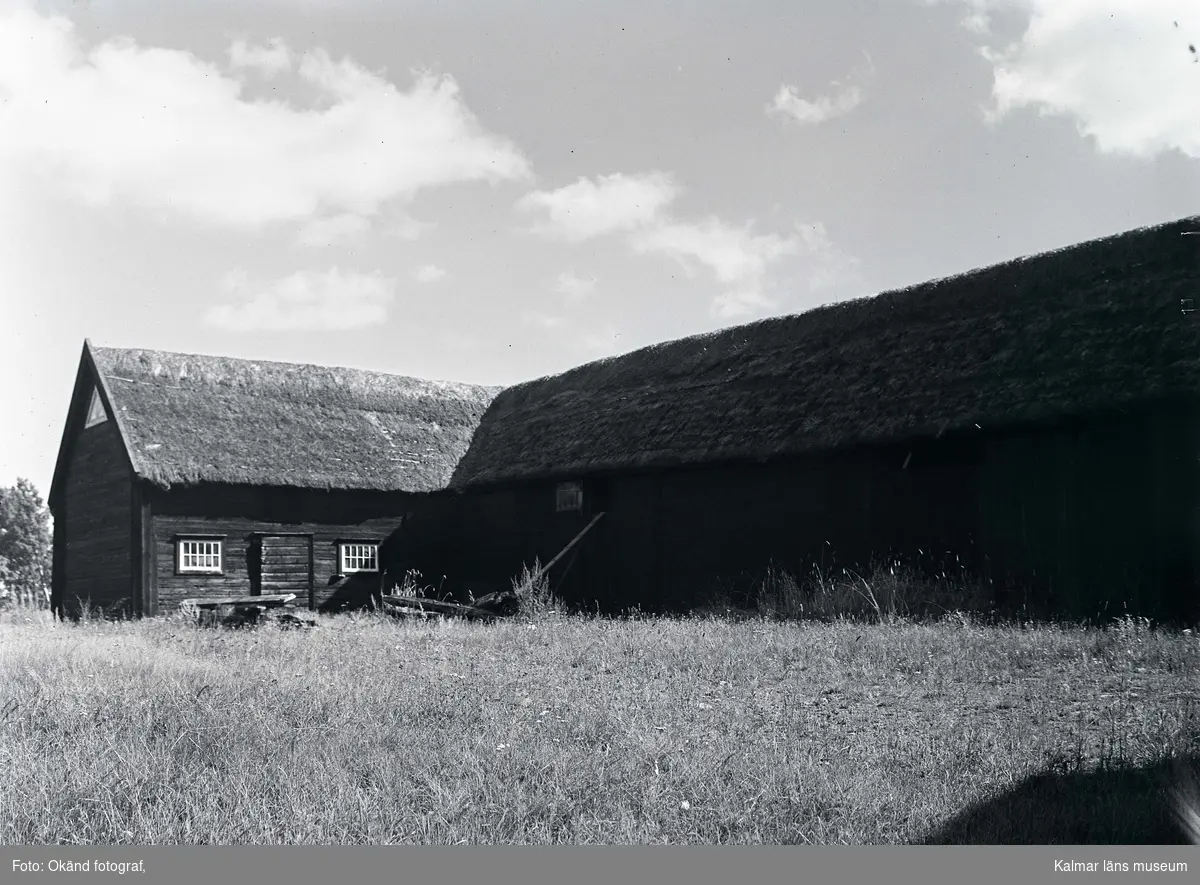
579,730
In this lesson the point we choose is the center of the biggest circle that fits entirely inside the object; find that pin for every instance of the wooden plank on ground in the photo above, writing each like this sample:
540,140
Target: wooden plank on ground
438,607
266,601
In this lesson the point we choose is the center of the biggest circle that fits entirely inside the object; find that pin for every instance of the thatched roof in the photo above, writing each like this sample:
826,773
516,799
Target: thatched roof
189,419
1086,328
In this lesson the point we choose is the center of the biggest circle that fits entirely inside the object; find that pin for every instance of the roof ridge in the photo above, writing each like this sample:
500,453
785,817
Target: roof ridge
134,352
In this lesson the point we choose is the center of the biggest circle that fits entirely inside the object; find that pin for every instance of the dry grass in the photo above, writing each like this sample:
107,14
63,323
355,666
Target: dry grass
578,730
887,592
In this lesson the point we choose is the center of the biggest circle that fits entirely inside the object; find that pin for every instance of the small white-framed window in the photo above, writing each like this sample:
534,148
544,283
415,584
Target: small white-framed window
358,556
96,412
203,556
568,496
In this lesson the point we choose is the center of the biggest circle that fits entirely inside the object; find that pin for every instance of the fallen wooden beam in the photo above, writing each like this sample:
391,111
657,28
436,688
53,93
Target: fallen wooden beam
397,611
437,607
269,601
289,622
502,602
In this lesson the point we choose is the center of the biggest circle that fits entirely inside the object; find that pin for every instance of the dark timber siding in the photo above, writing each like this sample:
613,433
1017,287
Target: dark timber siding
1086,518
96,516
245,516
482,539
1094,516
624,552
721,527
667,538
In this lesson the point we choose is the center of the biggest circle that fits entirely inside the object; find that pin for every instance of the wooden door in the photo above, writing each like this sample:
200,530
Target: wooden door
287,566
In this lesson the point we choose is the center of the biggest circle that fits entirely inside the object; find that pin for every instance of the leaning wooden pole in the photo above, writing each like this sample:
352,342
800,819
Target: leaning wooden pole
571,544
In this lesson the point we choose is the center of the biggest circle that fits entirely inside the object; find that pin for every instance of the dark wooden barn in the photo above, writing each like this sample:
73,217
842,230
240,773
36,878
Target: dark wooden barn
1033,423
193,476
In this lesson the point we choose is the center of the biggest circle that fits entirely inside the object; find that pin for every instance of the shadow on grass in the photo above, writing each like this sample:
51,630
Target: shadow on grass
1128,806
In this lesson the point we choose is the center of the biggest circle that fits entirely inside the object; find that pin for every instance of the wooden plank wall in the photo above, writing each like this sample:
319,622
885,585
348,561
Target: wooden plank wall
1147,466
621,565
671,538
1065,519
1178,495
489,535
1091,519
96,536
241,514
1184,479
721,527
926,505
287,566
479,542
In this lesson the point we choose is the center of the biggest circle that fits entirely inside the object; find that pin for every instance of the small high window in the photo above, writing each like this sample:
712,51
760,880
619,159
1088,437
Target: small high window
96,413
358,557
200,556
569,496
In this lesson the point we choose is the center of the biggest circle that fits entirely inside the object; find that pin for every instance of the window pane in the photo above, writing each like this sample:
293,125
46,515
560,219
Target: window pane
96,413
569,496
200,555
360,557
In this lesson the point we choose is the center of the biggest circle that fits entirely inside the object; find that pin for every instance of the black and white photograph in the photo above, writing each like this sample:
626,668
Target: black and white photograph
595,422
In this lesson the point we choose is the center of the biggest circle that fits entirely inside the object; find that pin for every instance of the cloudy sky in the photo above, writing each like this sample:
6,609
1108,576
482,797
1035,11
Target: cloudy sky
494,191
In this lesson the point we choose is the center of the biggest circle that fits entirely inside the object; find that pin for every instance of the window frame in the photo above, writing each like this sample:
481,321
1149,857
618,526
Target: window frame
572,504
181,554
345,545
96,414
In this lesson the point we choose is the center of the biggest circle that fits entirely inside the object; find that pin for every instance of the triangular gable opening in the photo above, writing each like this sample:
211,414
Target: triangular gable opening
96,413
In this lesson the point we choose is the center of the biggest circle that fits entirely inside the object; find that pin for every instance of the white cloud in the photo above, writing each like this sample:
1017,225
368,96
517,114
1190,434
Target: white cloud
603,341
458,339
163,129
408,228
977,21
787,103
541,320
610,204
1122,69
574,287
977,14
271,59
825,265
737,257
844,98
331,230
768,273
332,301
429,273
732,253
741,303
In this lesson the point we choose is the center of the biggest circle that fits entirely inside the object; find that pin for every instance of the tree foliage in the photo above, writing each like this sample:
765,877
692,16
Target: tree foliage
25,545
